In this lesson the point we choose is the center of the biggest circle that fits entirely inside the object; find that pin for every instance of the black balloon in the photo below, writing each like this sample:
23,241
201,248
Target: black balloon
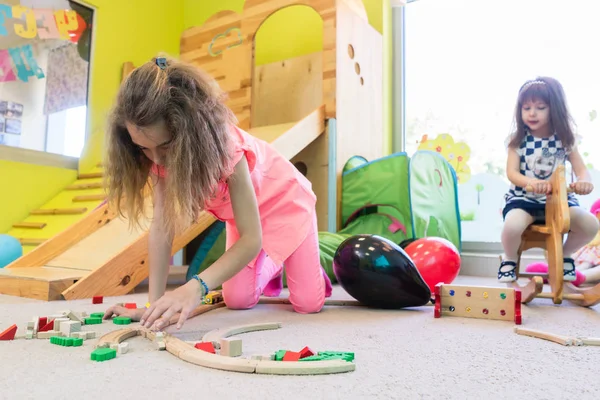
378,273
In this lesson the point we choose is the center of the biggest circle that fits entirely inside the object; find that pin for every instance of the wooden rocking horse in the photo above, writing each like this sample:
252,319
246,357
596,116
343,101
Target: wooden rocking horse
549,237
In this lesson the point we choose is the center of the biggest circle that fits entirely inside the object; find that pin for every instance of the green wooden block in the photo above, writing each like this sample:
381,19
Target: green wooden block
97,315
280,354
103,354
330,355
122,320
93,321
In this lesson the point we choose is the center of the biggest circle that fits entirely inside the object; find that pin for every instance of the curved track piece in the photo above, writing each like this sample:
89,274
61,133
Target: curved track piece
187,352
120,335
529,291
591,295
216,335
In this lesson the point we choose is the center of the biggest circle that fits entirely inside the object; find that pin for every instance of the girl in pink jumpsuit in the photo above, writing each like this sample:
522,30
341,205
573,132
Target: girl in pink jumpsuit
171,127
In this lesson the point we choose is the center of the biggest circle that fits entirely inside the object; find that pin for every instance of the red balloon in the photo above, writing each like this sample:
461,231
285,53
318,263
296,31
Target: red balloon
437,260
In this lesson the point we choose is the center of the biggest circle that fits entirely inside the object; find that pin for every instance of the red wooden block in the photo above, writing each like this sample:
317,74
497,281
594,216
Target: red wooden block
518,307
97,300
437,311
206,346
43,321
48,327
291,356
9,334
306,352
131,306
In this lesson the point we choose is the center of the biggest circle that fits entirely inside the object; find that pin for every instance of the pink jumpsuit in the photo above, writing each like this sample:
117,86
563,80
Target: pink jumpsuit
286,205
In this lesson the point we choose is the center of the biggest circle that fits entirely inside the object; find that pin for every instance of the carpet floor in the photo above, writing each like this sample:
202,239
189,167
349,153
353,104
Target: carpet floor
403,354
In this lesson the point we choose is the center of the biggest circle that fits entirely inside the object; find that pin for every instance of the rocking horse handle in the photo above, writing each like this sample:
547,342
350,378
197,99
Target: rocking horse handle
529,188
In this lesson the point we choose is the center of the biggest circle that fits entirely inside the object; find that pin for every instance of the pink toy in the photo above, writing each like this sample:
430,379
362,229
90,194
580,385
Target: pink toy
595,209
541,267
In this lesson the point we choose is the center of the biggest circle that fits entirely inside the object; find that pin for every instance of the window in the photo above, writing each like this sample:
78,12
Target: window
465,61
44,71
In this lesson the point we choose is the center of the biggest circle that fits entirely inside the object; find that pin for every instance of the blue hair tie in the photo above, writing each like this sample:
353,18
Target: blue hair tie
161,62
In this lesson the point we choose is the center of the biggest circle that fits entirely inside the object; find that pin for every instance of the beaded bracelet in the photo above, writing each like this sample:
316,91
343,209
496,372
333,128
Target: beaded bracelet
196,277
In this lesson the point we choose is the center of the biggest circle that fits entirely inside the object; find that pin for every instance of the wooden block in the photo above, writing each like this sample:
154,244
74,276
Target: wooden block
478,302
74,317
123,348
205,346
36,324
48,334
306,352
29,334
231,347
291,356
70,327
59,321
9,333
29,225
97,300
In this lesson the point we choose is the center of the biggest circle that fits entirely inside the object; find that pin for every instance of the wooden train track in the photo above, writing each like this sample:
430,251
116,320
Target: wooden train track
187,352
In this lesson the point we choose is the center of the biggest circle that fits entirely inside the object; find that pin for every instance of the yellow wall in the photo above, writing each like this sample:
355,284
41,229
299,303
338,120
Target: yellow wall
25,187
132,30
290,24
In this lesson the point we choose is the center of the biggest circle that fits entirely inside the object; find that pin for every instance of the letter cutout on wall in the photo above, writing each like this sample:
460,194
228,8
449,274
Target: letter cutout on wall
6,72
5,13
48,30
76,34
66,21
23,60
29,30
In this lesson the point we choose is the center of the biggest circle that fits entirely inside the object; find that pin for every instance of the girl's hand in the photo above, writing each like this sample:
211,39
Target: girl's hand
119,311
183,299
582,187
539,187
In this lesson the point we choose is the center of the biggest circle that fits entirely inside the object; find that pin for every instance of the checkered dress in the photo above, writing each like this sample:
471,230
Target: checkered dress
539,159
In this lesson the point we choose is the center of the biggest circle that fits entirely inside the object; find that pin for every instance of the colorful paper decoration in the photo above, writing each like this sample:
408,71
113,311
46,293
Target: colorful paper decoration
5,13
29,29
457,154
63,24
6,71
24,62
49,30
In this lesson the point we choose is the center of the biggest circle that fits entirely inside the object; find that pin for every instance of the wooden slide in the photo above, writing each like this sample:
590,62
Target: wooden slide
101,255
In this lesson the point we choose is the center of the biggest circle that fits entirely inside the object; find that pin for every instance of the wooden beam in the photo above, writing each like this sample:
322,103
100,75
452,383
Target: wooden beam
84,186
91,175
59,211
58,244
89,197
29,225
31,241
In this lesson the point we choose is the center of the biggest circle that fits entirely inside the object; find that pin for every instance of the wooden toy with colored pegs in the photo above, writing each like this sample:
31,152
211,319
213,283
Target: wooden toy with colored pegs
478,302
